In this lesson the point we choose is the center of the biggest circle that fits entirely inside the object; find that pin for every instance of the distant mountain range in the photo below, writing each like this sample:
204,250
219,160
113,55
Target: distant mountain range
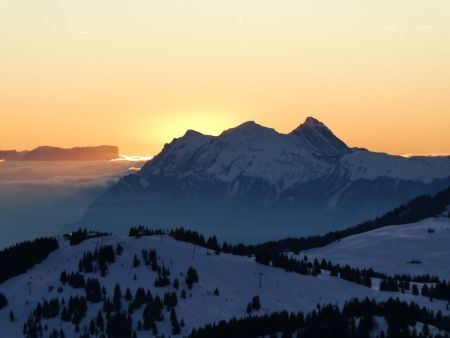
252,183
46,153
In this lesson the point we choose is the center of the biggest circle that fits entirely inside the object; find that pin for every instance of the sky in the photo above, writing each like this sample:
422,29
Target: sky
138,73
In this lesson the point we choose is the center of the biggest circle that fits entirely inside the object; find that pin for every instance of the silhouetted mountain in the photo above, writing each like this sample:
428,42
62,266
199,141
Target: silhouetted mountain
319,139
12,155
252,183
46,153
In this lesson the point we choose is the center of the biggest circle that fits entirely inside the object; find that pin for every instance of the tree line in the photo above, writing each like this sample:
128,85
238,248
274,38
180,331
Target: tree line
413,211
20,257
271,257
354,320
81,235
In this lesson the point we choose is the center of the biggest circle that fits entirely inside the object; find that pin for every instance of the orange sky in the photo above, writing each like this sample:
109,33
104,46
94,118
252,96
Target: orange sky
138,73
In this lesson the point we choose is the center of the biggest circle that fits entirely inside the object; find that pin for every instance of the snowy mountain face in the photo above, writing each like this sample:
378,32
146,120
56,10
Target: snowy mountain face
254,178
252,151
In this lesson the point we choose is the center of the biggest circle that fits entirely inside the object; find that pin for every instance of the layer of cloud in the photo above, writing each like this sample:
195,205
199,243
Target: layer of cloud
40,198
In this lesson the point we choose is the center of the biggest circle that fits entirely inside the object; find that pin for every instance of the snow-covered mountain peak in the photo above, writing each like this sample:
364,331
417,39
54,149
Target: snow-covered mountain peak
313,123
249,152
248,125
319,139
249,128
193,133
176,153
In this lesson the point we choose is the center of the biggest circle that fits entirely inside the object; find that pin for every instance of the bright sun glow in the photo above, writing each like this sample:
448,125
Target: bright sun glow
210,122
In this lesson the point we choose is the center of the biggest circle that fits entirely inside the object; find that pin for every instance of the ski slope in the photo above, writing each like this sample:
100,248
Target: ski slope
410,249
237,279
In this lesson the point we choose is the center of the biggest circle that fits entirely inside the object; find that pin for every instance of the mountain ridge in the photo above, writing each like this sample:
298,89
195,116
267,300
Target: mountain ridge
50,153
254,177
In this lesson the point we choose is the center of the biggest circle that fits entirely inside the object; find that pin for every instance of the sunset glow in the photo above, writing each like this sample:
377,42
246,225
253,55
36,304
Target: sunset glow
139,74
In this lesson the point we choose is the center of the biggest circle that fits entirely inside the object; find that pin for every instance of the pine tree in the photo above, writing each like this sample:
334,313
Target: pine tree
191,277
100,322
116,299
175,325
119,249
3,301
93,291
136,261
249,308
92,327
256,304
128,295
65,316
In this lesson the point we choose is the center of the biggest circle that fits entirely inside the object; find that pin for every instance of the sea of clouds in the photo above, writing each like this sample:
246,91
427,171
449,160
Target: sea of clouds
41,198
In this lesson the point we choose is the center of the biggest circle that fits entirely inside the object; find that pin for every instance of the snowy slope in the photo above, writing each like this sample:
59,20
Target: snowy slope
237,279
368,165
393,248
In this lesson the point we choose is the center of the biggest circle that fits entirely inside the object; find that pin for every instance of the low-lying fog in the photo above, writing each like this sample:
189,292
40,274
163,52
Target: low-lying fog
40,198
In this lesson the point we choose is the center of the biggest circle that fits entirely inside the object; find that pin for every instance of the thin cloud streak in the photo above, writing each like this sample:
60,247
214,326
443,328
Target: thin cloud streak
432,155
132,158
411,28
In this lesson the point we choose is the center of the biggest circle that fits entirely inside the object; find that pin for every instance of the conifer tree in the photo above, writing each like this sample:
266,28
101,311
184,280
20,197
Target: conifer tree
174,320
136,261
100,322
117,298
3,301
128,295
249,308
256,304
